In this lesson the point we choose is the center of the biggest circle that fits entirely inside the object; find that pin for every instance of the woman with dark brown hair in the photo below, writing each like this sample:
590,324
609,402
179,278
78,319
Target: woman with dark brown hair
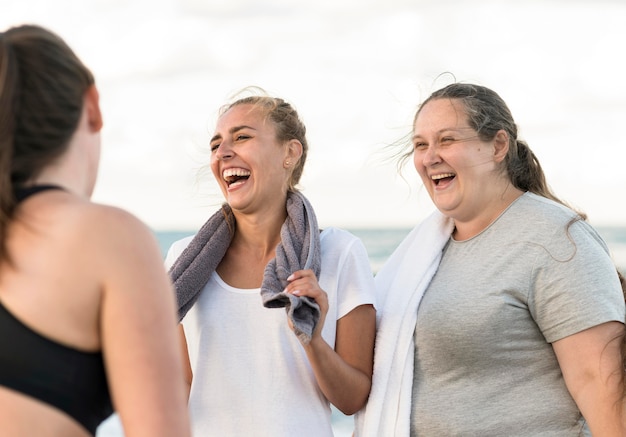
87,319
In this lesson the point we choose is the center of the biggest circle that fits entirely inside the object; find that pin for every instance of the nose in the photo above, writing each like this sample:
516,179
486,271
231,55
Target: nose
224,151
430,156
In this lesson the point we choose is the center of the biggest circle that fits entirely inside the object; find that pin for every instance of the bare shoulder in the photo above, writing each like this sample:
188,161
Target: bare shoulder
110,229
112,218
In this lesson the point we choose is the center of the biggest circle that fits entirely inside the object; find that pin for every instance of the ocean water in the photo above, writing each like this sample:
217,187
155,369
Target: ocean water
379,243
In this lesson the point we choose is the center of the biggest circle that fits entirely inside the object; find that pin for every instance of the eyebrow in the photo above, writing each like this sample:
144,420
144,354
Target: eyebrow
232,130
446,129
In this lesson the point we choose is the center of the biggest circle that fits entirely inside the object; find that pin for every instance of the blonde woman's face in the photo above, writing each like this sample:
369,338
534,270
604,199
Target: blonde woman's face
247,161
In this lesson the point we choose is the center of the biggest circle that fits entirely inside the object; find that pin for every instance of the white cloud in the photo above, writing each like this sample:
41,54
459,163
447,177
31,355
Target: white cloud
355,71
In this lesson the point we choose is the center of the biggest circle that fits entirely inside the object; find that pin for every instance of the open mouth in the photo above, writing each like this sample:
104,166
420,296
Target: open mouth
444,177
235,176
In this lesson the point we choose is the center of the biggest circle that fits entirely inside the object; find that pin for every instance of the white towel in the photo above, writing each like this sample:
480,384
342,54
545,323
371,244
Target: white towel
400,285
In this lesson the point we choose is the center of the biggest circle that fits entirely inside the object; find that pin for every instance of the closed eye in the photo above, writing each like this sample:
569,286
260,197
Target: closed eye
448,140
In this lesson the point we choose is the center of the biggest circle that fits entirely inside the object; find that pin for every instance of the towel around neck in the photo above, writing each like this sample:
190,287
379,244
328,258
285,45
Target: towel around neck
298,249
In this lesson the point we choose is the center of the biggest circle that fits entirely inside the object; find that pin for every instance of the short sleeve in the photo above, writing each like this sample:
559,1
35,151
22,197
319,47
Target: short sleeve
575,284
347,259
175,250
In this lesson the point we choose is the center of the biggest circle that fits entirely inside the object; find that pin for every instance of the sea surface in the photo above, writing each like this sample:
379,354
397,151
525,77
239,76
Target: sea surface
379,243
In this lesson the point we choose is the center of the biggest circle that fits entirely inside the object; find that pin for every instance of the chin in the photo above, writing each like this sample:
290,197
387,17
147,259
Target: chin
235,204
446,208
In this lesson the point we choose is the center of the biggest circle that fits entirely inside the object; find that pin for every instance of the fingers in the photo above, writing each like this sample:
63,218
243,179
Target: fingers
304,283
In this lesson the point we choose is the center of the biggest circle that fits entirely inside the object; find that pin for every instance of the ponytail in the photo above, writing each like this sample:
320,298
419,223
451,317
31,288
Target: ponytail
42,89
8,110
525,171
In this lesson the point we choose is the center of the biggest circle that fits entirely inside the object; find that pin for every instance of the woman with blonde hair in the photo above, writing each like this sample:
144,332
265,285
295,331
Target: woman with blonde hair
254,369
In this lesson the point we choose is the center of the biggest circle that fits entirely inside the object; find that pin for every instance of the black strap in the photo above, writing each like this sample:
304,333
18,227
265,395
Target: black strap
24,192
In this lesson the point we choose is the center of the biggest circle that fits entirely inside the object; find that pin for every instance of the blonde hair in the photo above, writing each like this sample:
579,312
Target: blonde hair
285,118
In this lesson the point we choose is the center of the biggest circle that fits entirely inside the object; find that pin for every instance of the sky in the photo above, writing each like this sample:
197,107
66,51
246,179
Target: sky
356,71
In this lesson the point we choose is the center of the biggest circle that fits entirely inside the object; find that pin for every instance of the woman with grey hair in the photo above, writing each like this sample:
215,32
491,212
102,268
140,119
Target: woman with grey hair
502,313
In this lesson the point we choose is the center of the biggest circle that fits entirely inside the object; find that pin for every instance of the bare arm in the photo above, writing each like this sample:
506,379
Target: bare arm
139,338
187,372
344,374
592,368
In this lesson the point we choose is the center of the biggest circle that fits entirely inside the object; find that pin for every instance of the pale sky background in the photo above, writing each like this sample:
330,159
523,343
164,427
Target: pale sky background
356,71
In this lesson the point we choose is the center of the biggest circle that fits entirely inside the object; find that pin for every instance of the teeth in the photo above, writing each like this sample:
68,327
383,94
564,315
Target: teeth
235,172
441,176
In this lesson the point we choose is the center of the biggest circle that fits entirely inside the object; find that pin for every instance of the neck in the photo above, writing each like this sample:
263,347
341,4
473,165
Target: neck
259,233
466,229
69,171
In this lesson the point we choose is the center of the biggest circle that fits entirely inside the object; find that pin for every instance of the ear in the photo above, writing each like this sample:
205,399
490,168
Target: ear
294,151
92,105
501,145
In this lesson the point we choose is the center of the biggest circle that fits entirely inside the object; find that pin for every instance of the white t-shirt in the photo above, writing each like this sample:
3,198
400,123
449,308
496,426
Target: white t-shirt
251,376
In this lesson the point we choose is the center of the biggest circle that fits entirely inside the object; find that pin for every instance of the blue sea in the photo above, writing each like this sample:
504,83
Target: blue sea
379,243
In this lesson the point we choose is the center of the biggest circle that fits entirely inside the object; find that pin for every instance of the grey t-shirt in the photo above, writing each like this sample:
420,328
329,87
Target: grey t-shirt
484,365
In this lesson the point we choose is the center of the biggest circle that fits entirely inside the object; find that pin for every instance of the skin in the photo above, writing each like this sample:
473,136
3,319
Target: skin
245,140
91,277
474,197
444,144
591,364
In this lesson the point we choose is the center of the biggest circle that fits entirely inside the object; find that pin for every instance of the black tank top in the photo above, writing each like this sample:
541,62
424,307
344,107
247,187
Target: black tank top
69,379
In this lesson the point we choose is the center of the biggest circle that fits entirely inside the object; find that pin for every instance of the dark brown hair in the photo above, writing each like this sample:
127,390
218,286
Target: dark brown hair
42,87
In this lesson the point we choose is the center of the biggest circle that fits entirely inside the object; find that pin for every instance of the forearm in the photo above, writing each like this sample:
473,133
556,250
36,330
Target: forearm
346,387
344,374
591,363
601,403
187,372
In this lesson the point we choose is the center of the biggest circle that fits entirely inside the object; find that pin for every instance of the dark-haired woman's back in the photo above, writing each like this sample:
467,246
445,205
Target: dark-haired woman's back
87,319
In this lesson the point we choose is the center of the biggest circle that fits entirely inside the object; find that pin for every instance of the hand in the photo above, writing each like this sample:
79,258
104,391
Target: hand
304,283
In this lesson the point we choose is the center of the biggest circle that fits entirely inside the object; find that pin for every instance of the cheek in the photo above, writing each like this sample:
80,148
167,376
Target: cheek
215,167
418,162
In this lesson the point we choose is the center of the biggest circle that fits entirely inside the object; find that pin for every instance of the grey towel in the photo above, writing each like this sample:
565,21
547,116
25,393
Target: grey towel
299,249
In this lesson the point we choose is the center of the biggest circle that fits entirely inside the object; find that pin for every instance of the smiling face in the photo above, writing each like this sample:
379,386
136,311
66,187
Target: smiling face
247,160
461,172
